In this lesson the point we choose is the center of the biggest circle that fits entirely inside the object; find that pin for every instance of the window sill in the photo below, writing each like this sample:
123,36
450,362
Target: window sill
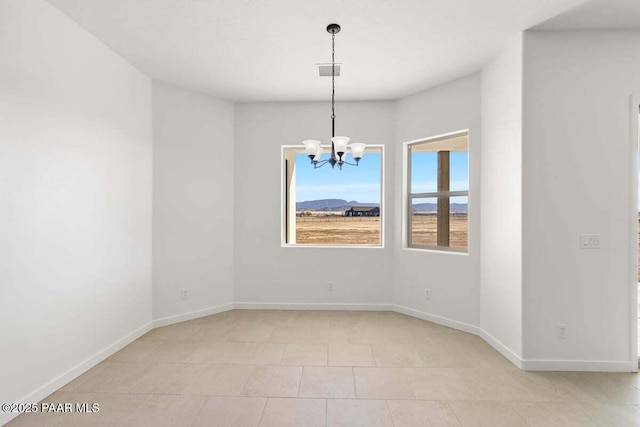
286,245
438,251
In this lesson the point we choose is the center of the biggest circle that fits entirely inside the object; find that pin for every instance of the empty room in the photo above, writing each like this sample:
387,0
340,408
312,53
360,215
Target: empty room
301,213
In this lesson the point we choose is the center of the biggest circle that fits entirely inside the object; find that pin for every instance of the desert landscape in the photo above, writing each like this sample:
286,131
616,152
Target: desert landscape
335,229
332,228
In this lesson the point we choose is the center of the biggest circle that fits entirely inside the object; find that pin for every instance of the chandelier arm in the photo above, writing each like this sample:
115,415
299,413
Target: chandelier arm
318,165
350,164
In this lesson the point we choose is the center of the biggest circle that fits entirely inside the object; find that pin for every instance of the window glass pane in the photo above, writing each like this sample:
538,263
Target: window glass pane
458,222
459,171
338,207
424,222
424,170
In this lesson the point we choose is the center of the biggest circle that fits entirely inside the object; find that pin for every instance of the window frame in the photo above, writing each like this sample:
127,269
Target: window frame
408,196
285,221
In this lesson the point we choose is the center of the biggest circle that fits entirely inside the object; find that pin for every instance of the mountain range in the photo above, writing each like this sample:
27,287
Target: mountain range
330,205
341,204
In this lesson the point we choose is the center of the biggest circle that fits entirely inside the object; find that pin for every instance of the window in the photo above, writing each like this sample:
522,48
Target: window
438,193
331,207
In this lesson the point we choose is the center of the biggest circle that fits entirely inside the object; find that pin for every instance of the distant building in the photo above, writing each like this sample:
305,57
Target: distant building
363,211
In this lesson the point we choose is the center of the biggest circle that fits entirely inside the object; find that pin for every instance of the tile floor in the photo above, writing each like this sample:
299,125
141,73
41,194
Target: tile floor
321,368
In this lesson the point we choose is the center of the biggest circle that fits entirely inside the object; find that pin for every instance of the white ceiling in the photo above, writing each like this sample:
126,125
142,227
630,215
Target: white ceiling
264,50
597,15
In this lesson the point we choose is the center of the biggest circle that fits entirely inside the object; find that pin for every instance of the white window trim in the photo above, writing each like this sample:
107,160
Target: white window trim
406,197
283,207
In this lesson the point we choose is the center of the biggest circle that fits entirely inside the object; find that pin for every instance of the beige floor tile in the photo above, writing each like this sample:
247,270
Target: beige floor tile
37,419
369,334
420,368
382,383
110,377
348,320
548,387
249,333
226,353
497,384
294,413
273,381
403,334
485,356
174,351
310,334
138,351
230,412
414,413
553,414
48,419
167,378
606,387
350,355
397,355
610,415
208,352
305,355
220,380
256,354
436,355
166,411
442,384
487,414
114,409
327,382
279,318
358,413
184,331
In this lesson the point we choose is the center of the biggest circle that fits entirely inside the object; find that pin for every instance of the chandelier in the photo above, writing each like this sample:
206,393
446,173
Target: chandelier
339,144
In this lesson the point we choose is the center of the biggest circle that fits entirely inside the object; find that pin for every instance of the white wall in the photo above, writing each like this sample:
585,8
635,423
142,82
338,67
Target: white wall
578,178
75,200
193,202
453,278
501,216
269,273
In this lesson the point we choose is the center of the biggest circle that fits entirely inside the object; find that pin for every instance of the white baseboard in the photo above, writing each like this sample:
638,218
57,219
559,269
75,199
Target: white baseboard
501,348
76,371
444,321
170,320
579,365
312,306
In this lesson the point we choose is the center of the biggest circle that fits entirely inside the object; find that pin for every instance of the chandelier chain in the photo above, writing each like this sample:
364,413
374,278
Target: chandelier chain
333,76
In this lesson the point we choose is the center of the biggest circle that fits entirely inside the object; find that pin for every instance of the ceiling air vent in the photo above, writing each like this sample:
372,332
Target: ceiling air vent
324,70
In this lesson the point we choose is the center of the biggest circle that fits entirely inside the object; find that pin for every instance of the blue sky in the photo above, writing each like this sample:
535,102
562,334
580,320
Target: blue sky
362,183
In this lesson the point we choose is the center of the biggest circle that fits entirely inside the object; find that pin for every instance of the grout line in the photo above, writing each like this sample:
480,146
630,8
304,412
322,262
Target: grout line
246,381
326,412
353,377
264,408
393,420
373,354
284,350
327,364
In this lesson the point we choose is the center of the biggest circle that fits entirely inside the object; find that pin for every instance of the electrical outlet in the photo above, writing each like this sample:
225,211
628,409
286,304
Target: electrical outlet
330,286
561,331
590,241
184,293
427,293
